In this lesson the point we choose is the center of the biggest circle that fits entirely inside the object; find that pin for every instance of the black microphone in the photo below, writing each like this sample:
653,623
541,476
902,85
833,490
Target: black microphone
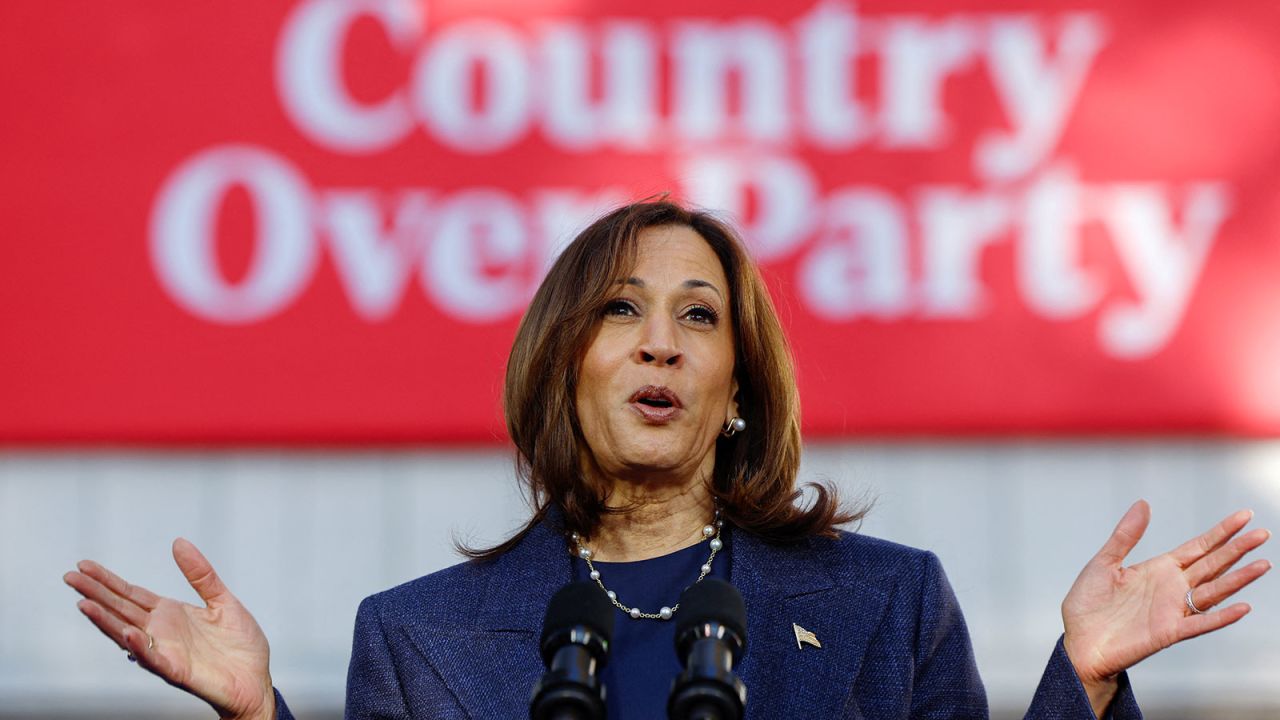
711,635
575,644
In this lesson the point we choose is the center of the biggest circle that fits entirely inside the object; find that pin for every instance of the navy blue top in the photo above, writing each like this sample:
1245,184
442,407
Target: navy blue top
642,662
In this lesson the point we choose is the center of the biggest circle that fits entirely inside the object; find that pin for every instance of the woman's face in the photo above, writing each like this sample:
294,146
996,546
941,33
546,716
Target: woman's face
656,383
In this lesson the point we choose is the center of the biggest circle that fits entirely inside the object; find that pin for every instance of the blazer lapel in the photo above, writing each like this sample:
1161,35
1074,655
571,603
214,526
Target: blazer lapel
785,586
781,586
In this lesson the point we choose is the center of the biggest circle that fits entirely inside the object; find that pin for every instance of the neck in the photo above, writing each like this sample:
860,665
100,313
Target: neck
661,520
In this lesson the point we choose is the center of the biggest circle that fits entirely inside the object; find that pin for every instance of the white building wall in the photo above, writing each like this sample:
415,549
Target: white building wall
293,534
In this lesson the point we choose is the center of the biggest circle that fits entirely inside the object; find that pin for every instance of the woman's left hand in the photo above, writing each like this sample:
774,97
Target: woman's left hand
1117,615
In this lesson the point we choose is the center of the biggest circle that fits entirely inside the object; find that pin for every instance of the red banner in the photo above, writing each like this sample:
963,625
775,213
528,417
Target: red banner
319,221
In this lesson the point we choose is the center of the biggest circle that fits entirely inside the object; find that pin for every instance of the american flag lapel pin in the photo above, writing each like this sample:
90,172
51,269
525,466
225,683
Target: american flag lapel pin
804,637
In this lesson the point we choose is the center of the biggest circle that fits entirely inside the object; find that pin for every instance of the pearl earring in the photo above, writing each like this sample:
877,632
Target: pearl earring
733,427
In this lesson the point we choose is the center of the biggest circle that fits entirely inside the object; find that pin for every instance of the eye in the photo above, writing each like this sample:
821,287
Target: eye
619,307
702,314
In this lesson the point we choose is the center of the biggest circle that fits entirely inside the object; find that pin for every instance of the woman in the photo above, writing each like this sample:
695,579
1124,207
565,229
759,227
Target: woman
651,399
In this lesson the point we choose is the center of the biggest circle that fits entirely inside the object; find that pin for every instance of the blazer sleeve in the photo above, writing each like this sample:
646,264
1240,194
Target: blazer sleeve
1061,696
946,681
947,684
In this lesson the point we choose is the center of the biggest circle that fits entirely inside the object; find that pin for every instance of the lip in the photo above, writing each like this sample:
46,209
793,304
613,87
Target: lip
656,415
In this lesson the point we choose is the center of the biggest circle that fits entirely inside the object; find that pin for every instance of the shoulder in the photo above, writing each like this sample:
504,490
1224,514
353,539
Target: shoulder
910,581
862,558
867,565
449,594
508,592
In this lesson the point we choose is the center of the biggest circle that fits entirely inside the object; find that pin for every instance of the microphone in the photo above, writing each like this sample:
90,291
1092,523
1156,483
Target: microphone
575,644
711,635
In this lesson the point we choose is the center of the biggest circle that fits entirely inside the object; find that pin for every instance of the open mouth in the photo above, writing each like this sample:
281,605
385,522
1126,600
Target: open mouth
655,402
656,397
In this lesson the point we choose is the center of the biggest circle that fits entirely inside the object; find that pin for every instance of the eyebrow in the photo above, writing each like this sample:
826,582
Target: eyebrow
692,283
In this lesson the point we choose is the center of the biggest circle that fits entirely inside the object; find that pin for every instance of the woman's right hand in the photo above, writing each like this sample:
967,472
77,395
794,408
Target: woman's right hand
217,652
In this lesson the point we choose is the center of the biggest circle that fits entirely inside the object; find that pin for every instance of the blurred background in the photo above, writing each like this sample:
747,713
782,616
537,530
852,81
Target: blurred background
262,264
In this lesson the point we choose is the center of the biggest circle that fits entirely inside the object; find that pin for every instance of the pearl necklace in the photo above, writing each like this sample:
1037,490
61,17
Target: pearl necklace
709,532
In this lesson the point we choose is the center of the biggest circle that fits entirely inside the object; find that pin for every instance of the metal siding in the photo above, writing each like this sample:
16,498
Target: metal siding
301,537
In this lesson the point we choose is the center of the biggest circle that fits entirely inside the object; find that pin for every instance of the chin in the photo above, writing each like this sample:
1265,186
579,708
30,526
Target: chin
657,457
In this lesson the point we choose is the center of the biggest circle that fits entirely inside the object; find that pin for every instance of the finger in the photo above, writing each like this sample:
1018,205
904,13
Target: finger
93,590
1127,533
140,596
200,573
1213,593
146,652
1221,560
1195,625
1197,547
110,625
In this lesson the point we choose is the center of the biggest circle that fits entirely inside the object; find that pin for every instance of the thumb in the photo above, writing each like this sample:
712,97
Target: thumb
1128,532
200,573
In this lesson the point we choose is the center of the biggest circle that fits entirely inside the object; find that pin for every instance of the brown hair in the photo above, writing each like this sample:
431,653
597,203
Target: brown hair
754,479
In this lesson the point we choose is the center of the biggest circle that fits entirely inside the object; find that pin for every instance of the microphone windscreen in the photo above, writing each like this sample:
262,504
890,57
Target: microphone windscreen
580,603
712,600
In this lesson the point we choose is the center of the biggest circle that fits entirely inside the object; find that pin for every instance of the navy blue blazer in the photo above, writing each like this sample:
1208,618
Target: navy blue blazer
463,642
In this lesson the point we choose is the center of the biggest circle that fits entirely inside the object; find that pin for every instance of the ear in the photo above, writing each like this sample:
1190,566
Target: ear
733,401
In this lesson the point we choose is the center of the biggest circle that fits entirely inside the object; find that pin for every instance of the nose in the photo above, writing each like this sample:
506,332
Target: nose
658,344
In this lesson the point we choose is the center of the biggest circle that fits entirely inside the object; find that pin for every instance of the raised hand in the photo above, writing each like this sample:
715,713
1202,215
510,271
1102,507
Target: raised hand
1115,616
217,652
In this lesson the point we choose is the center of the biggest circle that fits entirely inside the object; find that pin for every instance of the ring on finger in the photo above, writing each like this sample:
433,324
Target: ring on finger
1191,605
151,642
